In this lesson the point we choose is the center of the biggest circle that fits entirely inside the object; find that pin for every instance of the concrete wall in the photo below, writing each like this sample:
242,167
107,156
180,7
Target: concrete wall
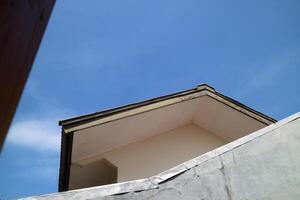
266,168
264,165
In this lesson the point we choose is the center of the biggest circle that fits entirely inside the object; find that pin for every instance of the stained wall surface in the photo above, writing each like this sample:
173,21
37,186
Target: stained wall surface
265,168
264,165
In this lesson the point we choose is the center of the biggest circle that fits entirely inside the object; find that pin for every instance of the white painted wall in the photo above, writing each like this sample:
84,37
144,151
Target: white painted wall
97,173
156,154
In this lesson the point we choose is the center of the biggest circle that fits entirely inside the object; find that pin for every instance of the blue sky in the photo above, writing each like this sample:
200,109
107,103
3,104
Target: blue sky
101,54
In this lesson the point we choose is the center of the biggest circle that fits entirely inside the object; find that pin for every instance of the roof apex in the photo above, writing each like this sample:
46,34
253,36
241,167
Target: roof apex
205,86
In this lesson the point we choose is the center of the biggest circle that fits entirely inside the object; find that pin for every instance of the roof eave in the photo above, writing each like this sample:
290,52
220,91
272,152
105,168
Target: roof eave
86,121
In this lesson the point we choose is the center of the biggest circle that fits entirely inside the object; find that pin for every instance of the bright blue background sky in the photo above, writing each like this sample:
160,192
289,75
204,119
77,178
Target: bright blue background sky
105,53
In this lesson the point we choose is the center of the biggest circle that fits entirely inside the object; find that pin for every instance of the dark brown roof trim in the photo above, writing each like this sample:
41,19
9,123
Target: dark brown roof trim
105,113
246,107
65,161
72,122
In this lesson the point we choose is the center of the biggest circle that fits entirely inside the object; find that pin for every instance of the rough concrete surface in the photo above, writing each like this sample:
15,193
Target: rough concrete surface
262,166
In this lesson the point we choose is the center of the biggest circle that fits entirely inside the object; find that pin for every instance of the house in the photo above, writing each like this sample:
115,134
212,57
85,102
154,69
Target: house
195,144
262,165
143,139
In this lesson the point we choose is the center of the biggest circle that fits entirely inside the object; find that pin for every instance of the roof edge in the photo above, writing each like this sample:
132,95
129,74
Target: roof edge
122,108
202,87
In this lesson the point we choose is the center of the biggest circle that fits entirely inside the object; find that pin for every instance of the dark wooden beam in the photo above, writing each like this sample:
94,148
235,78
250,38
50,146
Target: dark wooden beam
22,25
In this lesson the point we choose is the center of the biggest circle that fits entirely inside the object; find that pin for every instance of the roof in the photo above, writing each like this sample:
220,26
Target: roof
69,126
155,182
83,119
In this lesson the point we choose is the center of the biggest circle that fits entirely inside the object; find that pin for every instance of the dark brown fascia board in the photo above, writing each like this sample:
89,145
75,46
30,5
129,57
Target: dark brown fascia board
272,120
65,161
76,121
105,113
133,105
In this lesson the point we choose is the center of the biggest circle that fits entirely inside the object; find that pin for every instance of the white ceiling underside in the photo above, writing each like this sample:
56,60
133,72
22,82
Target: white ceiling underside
205,111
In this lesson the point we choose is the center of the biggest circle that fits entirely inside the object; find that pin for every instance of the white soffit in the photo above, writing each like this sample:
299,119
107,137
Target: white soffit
203,111
102,138
224,121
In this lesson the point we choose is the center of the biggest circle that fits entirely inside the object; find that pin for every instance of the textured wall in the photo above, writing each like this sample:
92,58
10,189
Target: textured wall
265,168
263,165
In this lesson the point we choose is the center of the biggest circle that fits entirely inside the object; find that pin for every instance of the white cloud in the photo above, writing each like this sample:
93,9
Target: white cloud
39,167
36,134
42,137
38,130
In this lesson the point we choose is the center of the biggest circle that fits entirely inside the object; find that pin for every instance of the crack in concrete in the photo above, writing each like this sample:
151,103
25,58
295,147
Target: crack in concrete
226,187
